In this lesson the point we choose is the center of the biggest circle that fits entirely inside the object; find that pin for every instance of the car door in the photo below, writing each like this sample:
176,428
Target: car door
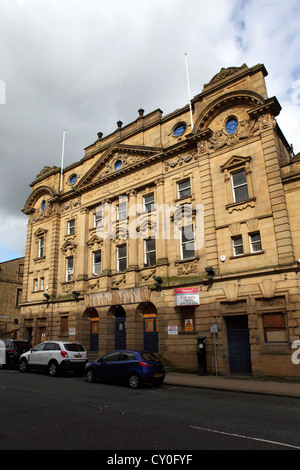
47,353
35,358
107,367
126,364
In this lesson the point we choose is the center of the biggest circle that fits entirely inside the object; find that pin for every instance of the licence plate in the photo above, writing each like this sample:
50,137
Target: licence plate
78,356
157,375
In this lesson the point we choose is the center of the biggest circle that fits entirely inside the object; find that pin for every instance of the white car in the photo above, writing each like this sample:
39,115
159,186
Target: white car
55,356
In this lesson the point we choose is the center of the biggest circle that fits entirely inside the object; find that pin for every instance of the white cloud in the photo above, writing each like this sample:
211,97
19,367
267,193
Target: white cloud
12,240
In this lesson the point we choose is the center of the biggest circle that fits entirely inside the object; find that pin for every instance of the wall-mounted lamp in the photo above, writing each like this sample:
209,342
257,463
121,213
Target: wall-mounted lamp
76,295
47,297
210,273
158,282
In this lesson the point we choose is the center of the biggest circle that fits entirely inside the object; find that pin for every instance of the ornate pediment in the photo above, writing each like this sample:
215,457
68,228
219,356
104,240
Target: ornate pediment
94,243
68,248
235,161
224,73
117,160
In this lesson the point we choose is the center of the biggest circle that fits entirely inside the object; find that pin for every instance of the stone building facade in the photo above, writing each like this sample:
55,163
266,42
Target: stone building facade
11,281
173,228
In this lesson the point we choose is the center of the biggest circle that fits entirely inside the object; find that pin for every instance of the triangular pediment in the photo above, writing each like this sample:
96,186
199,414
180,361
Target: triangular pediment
235,161
94,242
117,160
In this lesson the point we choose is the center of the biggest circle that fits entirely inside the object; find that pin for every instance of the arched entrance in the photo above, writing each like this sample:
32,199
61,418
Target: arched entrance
91,328
120,327
150,320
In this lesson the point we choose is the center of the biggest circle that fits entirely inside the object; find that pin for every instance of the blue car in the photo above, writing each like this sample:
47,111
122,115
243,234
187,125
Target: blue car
132,367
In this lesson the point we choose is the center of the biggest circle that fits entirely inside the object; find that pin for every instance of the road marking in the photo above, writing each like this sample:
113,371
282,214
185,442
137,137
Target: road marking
244,437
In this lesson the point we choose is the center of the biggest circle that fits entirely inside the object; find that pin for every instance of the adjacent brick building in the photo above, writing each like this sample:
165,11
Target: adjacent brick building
201,222
11,280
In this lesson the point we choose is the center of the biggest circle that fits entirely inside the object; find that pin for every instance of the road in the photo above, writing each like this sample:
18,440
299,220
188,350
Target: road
38,412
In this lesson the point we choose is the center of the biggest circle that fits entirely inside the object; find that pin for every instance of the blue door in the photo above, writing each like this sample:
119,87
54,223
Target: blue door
239,345
120,334
94,338
150,333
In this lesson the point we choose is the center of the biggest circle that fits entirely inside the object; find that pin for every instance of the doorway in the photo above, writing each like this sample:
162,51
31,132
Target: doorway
239,345
94,335
150,332
120,328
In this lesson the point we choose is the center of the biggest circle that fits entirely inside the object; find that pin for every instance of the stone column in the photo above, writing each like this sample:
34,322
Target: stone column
282,229
132,245
161,242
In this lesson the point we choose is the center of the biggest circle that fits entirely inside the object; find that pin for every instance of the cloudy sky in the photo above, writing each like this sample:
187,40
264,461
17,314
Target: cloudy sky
82,65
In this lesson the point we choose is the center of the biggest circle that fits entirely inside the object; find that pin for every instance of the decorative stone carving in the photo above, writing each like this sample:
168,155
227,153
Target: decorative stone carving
188,267
180,160
219,139
146,275
92,283
71,204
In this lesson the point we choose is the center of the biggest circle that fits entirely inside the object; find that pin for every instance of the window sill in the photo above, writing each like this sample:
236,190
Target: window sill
247,254
241,205
186,260
39,259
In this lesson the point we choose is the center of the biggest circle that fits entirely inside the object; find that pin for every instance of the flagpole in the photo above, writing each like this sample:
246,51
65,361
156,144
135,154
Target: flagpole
189,92
62,160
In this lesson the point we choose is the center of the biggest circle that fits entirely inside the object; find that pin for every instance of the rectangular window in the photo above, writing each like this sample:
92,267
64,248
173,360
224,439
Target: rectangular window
239,186
35,285
184,188
187,242
255,242
69,269
71,227
41,247
122,210
274,328
42,283
98,219
150,252
237,245
122,258
97,262
149,202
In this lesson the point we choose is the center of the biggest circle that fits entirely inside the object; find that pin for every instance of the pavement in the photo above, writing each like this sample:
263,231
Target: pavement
282,387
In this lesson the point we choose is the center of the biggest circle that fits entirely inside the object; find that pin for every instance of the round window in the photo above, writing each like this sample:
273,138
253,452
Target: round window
118,165
231,125
179,129
73,179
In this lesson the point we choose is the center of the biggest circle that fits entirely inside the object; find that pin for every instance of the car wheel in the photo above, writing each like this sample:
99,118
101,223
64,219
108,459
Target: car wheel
53,369
90,376
23,365
134,381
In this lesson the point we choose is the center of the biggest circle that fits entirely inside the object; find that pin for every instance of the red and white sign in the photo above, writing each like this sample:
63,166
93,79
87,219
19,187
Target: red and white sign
184,296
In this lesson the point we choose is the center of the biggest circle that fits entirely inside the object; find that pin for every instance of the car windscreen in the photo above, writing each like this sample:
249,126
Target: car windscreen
73,347
147,356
